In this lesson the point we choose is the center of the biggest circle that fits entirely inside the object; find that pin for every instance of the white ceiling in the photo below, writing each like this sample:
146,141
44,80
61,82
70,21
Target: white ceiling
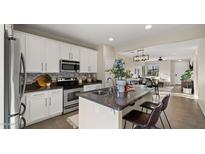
172,51
124,34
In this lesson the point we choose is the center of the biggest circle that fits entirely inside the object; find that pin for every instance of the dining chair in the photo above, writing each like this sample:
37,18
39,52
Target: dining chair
151,106
142,120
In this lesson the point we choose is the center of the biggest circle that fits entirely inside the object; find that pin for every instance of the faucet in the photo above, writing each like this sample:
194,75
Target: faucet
112,89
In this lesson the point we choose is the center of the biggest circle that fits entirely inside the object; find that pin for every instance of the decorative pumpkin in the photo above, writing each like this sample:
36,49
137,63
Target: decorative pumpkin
44,80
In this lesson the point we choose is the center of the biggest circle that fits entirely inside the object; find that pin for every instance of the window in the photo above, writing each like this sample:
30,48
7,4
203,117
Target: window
153,70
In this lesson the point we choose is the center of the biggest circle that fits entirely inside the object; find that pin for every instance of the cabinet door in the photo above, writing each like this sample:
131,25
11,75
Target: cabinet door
52,56
84,60
64,51
38,106
35,53
92,62
74,53
25,100
21,37
55,102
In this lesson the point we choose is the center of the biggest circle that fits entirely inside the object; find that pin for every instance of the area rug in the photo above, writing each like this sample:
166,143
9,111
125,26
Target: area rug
73,121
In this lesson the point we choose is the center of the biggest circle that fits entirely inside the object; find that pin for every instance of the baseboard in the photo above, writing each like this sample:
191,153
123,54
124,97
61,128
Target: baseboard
202,106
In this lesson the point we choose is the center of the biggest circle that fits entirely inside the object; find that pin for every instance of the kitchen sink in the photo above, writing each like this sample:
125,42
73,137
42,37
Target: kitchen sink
100,92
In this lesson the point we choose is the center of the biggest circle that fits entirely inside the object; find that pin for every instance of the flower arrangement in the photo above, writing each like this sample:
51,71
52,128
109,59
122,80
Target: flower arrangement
118,71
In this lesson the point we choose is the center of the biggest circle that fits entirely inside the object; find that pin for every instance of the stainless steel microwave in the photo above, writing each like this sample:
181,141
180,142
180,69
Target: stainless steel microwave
69,66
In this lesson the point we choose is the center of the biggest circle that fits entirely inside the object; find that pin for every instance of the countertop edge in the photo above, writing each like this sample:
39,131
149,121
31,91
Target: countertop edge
115,108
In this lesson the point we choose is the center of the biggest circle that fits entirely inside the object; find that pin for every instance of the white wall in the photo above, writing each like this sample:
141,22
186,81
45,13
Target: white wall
201,74
1,75
106,58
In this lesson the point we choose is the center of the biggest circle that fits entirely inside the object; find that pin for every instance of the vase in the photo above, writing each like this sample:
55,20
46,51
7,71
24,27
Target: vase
187,90
121,86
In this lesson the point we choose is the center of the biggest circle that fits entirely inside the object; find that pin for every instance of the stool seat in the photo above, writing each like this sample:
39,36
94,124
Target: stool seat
149,105
137,117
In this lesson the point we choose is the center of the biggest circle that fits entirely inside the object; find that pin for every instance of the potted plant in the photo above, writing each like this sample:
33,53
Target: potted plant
119,74
186,79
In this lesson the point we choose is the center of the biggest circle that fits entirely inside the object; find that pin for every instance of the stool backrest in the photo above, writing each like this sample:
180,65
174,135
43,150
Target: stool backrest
154,116
165,102
149,83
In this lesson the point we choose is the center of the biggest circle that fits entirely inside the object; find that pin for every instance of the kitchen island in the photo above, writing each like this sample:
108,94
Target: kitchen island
106,110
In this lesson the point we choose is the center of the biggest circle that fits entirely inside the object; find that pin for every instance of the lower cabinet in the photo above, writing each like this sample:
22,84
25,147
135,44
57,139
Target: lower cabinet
43,105
38,106
55,102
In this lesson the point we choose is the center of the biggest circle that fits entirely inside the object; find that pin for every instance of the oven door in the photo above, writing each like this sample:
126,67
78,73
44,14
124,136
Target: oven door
71,96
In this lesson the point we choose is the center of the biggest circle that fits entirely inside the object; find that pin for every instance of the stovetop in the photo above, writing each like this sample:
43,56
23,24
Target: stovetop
69,83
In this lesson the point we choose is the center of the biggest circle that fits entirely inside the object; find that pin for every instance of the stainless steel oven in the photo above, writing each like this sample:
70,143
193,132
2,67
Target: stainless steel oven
71,99
69,66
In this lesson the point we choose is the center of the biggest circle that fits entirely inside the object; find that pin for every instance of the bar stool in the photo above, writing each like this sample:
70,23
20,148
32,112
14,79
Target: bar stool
155,84
151,106
143,120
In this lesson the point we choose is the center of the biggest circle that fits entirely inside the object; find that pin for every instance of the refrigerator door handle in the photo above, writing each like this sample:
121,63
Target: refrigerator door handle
22,110
24,75
22,119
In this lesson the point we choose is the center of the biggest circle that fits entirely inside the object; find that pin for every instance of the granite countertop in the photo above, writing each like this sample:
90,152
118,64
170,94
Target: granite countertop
90,83
35,88
118,102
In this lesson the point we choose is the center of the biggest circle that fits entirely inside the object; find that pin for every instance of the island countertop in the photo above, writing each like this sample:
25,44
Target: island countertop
118,101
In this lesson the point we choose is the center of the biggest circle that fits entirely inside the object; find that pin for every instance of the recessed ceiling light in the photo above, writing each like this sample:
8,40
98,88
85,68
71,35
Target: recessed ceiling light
179,60
111,39
148,26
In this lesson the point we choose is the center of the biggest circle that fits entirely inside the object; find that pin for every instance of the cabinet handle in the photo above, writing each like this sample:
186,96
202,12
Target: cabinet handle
50,101
46,102
46,67
42,67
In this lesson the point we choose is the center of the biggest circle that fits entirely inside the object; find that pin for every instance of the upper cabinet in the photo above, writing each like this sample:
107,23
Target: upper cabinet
35,53
52,56
69,52
88,60
92,61
42,55
83,60
74,53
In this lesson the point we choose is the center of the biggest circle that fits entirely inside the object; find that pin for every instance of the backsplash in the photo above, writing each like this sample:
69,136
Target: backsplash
32,76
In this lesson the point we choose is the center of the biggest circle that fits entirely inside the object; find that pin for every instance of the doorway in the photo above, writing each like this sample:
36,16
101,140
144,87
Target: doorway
179,68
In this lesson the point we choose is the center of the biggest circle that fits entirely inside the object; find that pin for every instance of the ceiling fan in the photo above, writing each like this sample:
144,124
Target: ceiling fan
160,59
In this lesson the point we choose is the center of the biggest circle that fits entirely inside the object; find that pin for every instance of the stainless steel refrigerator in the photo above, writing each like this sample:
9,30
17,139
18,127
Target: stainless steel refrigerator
15,82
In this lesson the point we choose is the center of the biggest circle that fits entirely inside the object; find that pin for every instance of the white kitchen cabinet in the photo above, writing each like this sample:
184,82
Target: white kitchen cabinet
55,102
35,53
88,61
74,53
92,87
69,52
84,60
43,105
52,56
21,38
38,106
92,61
64,51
